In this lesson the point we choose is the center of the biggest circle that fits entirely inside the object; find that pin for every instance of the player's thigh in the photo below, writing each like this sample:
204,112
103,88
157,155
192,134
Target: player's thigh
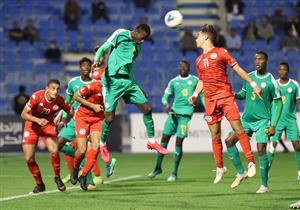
247,128
260,131
95,131
134,95
82,126
278,132
182,128
52,145
292,131
230,109
170,125
68,132
215,130
30,136
112,93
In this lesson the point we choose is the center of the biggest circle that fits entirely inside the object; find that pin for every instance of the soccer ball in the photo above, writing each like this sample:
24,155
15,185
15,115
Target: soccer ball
173,19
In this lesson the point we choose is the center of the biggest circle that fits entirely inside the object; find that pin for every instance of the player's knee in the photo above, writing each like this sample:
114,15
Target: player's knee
216,135
230,140
239,130
29,159
147,110
109,117
296,145
81,151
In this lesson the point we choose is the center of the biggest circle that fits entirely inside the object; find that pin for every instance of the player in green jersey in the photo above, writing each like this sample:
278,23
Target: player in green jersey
179,115
260,117
290,94
118,80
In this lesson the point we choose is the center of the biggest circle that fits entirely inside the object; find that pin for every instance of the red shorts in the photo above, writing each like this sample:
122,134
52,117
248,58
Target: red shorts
216,109
85,125
32,133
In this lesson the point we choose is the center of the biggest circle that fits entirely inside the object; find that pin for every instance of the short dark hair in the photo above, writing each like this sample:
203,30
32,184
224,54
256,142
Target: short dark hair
85,59
186,63
285,64
55,81
144,28
263,53
22,88
210,31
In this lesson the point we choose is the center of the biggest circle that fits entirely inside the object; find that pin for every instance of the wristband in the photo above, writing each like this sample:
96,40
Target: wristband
253,84
195,94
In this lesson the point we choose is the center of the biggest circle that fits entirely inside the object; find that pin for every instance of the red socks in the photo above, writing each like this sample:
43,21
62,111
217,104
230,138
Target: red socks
35,171
91,158
245,144
96,169
69,162
218,152
77,160
55,162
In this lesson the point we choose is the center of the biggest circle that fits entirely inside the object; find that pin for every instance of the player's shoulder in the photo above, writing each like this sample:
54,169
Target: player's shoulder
194,77
295,83
121,31
220,50
174,79
73,80
252,73
38,94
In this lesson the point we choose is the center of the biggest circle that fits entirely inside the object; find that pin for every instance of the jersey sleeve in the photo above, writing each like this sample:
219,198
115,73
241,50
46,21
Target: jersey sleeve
69,90
170,88
114,38
275,90
227,58
297,90
33,100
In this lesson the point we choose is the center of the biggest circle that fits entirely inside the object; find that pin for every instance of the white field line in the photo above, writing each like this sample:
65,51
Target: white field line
69,188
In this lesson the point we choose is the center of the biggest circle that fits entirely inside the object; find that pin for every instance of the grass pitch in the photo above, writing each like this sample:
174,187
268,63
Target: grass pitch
130,188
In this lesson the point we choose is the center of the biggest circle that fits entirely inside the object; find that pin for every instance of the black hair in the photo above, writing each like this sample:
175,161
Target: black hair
210,31
22,88
96,48
55,81
186,63
144,28
85,59
263,53
285,64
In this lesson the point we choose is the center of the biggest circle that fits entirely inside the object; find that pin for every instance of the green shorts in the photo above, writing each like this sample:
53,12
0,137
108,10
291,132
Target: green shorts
290,128
258,128
68,132
121,87
177,124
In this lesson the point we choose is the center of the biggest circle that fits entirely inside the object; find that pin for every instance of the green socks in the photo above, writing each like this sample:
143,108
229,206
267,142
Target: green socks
177,158
264,169
160,157
68,150
234,156
104,131
148,121
297,156
271,158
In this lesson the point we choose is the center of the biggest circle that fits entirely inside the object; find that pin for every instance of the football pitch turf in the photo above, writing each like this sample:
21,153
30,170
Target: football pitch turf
130,188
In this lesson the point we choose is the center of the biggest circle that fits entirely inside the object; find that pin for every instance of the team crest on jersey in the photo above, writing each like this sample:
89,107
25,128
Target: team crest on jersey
55,107
106,105
263,84
208,118
290,90
26,134
98,94
33,96
213,55
189,82
82,131
41,104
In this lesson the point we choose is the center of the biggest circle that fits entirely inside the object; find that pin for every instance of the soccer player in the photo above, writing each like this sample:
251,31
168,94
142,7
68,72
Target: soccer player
260,117
38,115
179,115
88,120
67,133
218,96
290,94
118,80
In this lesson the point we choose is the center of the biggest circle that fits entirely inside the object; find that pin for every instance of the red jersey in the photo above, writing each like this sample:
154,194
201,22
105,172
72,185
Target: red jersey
92,93
42,108
211,69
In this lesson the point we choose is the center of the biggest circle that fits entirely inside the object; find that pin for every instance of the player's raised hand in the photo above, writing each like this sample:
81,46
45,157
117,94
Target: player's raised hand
258,91
98,108
42,121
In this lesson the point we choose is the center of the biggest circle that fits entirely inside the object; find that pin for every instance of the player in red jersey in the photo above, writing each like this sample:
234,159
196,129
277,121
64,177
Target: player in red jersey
39,114
219,99
88,121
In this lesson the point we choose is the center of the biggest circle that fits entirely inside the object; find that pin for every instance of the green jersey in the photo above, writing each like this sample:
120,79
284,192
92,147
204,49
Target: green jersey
256,108
182,88
73,86
289,92
123,53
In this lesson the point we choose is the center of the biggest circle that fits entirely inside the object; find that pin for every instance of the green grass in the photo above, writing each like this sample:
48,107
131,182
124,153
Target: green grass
193,190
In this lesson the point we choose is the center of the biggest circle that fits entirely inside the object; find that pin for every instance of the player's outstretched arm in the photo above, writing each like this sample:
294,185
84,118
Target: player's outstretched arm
28,117
243,74
100,52
165,102
198,90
